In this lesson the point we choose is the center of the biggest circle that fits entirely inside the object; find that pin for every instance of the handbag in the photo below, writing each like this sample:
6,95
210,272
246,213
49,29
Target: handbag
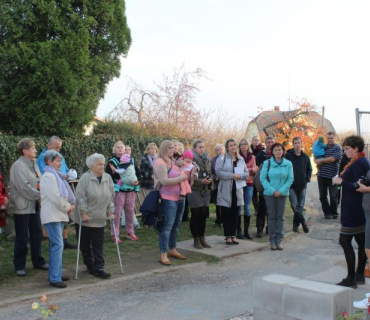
257,179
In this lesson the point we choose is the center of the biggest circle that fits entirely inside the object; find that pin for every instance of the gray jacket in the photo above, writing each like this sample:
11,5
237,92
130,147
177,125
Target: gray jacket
225,171
23,187
97,199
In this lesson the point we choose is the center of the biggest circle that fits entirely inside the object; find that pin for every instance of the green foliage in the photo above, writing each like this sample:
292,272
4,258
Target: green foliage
56,59
75,149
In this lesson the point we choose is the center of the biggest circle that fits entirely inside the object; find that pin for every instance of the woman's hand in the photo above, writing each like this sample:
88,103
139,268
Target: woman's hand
6,201
337,180
362,188
277,194
71,209
236,177
110,216
85,217
113,168
206,181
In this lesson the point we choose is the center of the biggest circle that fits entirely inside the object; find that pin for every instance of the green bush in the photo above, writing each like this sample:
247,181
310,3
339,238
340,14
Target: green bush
75,149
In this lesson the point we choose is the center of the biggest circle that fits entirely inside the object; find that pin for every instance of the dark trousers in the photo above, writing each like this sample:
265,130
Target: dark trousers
255,199
185,215
326,184
27,224
261,213
198,221
230,216
92,240
218,215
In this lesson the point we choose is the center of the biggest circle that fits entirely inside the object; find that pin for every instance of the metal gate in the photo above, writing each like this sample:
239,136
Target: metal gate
363,128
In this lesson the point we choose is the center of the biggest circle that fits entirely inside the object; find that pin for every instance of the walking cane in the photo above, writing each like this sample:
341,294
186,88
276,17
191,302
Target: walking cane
115,237
78,203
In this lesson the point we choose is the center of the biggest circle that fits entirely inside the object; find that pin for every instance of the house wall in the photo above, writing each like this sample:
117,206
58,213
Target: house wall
252,131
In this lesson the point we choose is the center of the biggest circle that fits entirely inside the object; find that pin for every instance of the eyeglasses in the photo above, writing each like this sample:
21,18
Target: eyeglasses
244,144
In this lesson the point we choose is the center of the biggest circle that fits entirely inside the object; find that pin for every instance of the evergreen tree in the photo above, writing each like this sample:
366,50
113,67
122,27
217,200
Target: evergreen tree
56,59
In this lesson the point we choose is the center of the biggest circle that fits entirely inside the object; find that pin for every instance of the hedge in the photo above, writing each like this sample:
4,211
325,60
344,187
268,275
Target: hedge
74,149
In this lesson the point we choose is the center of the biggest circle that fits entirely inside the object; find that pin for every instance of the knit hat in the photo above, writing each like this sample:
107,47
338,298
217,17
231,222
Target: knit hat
125,158
321,138
188,154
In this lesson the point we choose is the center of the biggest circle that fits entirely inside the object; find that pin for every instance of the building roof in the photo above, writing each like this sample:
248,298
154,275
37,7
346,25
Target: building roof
268,119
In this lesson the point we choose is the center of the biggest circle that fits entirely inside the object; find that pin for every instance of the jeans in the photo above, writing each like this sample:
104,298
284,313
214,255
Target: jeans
56,245
173,211
324,185
276,210
248,194
27,224
297,200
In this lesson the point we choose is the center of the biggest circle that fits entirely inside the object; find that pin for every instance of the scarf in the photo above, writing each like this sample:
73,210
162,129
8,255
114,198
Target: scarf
202,160
358,156
64,188
152,159
246,158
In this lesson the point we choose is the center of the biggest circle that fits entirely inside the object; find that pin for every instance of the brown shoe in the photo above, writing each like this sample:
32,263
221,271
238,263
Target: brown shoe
165,262
204,243
176,255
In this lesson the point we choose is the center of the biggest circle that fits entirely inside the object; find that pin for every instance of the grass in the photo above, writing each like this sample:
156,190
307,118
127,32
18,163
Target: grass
137,257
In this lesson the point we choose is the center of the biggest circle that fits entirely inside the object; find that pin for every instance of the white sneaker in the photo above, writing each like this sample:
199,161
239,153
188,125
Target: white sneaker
362,304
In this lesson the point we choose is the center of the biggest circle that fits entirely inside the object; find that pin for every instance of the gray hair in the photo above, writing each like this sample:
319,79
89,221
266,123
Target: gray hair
93,159
196,142
51,155
269,138
217,146
53,139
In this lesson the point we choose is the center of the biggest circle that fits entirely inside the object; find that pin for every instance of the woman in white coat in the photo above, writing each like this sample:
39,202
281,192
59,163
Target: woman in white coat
229,169
57,203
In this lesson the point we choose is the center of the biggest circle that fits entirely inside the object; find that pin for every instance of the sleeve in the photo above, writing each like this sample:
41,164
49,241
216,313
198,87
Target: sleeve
3,194
49,188
286,186
120,171
65,164
108,169
219,168
41,163
263,177
110,208
138,173
338,154
23,185
245,173
161,173
308,169
81,193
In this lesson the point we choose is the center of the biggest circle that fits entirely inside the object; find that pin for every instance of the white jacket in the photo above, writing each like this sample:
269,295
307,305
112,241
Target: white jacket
54,208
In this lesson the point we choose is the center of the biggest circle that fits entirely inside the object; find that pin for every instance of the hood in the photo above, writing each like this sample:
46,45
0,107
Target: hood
291,152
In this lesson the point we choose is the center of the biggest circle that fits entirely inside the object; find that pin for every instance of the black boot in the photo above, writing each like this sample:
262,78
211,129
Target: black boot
247,221
239,234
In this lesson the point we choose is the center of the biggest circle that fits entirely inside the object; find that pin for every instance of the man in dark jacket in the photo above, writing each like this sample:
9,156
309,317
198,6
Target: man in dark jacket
302,170
262,209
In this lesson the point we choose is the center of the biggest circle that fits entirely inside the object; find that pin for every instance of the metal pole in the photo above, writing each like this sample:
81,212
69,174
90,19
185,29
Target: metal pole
323,116
358,121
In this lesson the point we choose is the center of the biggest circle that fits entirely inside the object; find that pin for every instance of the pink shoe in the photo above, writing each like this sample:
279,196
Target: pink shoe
118,240
132,237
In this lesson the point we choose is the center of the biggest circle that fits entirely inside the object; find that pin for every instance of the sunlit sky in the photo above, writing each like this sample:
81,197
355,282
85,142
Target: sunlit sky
252,50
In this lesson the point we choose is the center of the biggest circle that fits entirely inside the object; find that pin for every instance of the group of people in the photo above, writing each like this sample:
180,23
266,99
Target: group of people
41,195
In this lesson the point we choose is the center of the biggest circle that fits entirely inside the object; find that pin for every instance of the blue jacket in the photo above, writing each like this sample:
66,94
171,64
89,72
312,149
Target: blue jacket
280,177
41,163
319,149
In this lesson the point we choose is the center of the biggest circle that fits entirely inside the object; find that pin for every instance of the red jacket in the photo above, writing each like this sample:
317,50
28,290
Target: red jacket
3,191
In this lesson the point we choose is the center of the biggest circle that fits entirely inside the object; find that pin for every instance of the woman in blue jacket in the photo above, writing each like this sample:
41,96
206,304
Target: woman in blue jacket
276,178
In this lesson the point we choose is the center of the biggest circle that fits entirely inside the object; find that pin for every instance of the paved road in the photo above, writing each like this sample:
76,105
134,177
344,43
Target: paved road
216,291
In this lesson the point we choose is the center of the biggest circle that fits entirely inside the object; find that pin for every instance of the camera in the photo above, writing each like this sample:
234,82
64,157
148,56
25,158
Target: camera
363,180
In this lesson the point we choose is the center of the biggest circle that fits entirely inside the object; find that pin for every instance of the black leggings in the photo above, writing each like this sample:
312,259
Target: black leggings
198,221
346,243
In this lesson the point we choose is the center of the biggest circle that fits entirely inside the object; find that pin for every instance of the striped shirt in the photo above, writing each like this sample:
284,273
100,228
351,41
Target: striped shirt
330,170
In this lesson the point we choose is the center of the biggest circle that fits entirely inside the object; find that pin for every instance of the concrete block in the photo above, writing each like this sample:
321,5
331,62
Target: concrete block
262,314
313,300
267,292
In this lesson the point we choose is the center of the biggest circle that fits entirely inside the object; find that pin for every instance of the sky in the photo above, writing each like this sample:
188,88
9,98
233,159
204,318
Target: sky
255,53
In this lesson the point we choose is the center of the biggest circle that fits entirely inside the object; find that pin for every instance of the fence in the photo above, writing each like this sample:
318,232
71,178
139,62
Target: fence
363,128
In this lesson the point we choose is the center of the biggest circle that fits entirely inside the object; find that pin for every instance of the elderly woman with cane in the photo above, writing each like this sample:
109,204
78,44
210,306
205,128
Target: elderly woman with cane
97,191
57,203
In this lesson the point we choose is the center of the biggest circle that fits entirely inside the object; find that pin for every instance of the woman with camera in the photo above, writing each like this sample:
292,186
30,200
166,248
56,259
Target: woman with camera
352,214
200,195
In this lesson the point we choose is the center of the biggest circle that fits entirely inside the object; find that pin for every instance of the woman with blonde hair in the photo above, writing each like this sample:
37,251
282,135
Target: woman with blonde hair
146,167
167,177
